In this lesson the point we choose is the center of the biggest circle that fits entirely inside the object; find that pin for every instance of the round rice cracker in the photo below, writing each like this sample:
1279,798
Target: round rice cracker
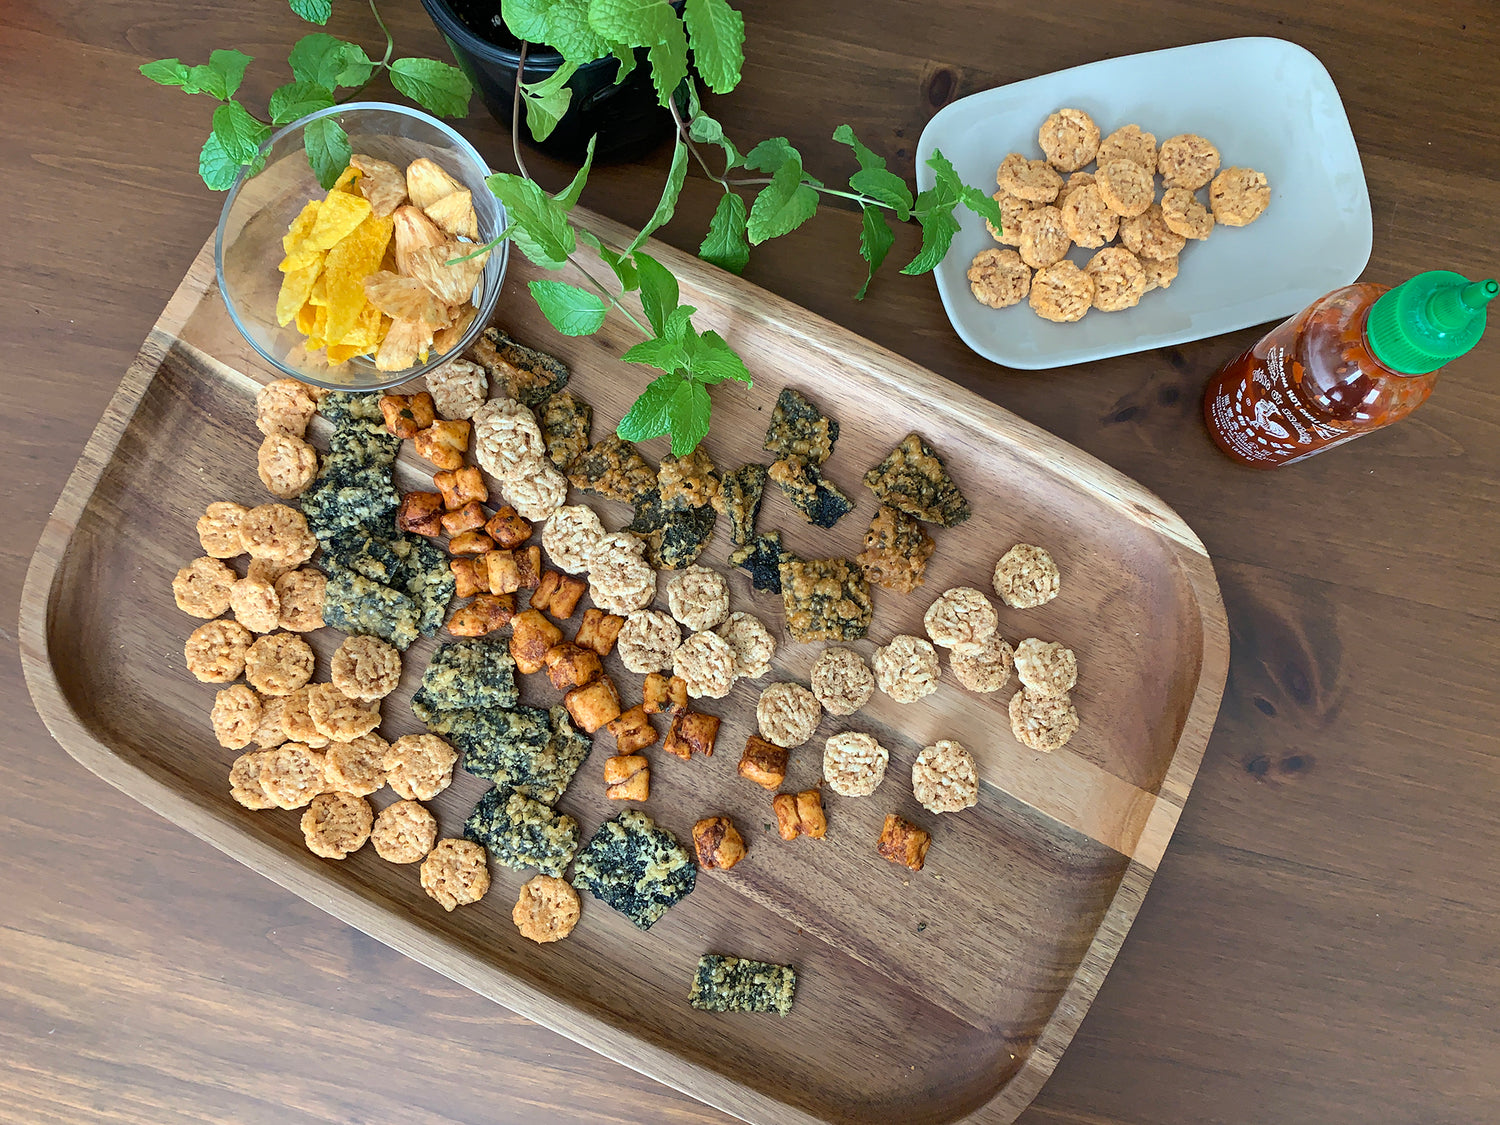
336,824
1069,139
546,910
1061,293
999,278
404,832
455,873
1119,281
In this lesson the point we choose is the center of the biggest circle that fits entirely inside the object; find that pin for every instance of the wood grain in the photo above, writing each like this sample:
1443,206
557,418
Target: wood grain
1054,863
1322,924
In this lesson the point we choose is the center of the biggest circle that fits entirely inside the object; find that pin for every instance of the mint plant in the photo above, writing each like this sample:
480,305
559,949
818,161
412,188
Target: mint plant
767,190
322,65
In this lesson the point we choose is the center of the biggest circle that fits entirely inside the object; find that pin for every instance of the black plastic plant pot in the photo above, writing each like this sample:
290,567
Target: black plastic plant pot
627,118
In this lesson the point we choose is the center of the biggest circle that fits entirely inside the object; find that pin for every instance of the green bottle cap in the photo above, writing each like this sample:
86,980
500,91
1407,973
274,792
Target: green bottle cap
1425,322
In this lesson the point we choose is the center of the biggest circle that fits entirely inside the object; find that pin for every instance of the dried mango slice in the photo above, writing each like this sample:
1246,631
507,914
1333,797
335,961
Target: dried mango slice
342,353
453,283
383,184
307,316
455,214
338,217
320,324
406,298
298,259
347,181
319,294
295,287
426,183
414,230
365,334
301,226
356,256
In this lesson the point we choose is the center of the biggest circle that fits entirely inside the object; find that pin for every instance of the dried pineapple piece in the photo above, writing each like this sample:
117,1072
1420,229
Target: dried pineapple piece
414,230
453,283
382,184
406,343
455,214
406,298
446,339
426,183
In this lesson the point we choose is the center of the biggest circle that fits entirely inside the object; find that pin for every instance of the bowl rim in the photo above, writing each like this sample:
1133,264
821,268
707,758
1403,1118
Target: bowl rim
482,315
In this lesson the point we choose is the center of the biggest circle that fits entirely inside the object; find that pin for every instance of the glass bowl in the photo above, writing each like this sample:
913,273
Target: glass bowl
261,207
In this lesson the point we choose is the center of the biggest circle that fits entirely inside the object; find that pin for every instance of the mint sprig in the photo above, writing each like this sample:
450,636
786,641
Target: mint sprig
321,65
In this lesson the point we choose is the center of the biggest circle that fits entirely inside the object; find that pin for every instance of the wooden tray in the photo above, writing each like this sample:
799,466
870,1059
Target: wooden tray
943,995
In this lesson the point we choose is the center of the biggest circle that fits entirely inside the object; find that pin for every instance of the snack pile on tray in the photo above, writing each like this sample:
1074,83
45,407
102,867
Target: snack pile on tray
565,631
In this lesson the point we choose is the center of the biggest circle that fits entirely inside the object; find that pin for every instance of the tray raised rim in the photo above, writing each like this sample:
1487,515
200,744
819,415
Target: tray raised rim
421,939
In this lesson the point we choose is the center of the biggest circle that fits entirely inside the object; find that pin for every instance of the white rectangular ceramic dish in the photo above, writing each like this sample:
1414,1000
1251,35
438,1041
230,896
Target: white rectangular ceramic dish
1266,103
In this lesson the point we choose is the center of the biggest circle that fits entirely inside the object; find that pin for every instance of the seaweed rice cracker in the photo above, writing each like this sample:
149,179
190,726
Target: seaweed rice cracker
523,373
520,832
637,868
800,429
913,480
735,984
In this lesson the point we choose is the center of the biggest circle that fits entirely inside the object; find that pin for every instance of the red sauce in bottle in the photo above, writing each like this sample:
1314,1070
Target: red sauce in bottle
1309,384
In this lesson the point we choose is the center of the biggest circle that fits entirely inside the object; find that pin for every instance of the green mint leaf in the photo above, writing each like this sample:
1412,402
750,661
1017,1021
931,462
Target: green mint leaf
543,113
981,203
875,241
538,224
553,82
688,411
239,133
313,11
626,57
725,244
623,267
676,176
298,99
873,179
568,30
783,205
705,130
714,361
327,147
438,87
678,327
717,33
938,228
216,166
166,72
650,415
635,23
230,67
668,355
770,155
527,20
569,195
329,62
571,310
659,294
669,65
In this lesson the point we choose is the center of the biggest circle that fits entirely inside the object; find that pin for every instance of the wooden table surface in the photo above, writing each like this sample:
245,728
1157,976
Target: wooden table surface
1319,944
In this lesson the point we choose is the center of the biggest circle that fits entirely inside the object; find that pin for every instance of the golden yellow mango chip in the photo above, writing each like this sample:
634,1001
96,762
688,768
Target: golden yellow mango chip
301,226
355,258
314,344
307,316
295,287
319,294
365,334
338,216
298,259
320,325
348,180
341,353
446,339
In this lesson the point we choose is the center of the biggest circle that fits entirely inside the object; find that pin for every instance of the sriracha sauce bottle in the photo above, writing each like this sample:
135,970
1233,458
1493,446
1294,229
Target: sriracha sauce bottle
1358,359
